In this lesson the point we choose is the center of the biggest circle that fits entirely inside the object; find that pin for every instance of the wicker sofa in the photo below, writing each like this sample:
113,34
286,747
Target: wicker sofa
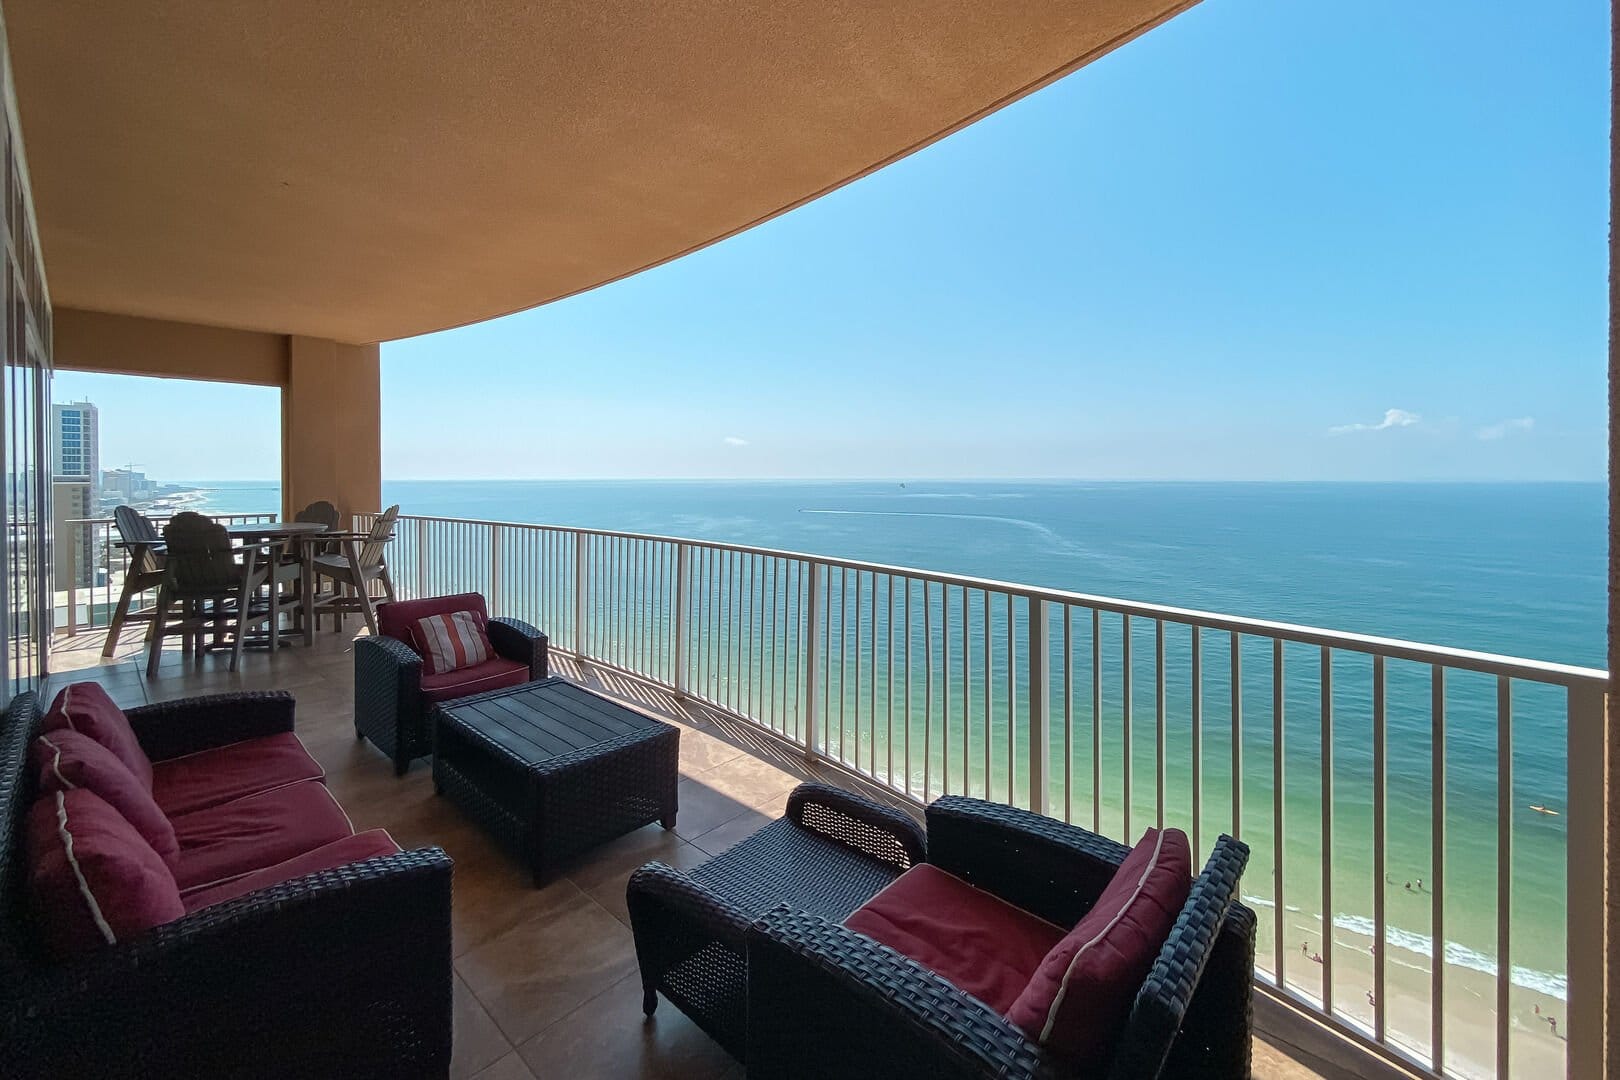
340,972
825,1001
392,697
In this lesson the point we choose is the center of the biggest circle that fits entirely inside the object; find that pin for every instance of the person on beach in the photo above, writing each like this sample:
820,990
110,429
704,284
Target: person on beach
1408,886
1372,1000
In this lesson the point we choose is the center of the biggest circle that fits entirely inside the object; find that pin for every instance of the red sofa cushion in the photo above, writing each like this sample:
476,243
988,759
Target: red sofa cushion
92,879
350,849
398,619
85,707
490,675
968,936
210,777
250,833
1082,994
453,641
65,760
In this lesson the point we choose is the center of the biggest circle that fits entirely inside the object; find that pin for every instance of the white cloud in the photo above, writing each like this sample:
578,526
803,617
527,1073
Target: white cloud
733,440
1393,418
1506,428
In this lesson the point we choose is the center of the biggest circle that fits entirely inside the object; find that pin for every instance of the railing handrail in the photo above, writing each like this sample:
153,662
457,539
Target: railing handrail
1541,671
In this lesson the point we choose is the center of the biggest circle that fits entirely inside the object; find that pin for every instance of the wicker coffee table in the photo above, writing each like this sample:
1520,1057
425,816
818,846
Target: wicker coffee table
552,769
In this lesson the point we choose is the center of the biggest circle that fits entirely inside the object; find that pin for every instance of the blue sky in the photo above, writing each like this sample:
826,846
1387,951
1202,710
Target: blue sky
1265,241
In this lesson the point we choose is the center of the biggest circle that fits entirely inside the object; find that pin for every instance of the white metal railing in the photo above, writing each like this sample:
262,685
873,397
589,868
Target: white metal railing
1352,765
90,568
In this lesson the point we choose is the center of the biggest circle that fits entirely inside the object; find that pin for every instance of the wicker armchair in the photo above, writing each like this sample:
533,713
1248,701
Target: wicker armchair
824,1001
831,853
344,972
391,700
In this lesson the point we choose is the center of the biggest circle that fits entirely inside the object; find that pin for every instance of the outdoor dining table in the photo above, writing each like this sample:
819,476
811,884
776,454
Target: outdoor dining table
305,534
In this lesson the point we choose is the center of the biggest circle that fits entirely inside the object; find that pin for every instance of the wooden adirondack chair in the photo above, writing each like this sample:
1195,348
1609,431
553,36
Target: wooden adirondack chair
360,562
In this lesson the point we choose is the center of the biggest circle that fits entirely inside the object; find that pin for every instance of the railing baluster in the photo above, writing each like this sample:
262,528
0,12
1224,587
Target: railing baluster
1327,830
989,680
1158,712
945,689
967,693
581,595
1504,869
813,641
905,700
1278,702
1096,720
1068,718
859,593
928,690
1125,724
843,655
1040,745
1237,736
1380,852
871,703
1197,736
1012,707
888,683
1437,856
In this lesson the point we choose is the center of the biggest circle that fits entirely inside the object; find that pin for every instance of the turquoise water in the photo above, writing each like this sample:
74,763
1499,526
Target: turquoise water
1516,569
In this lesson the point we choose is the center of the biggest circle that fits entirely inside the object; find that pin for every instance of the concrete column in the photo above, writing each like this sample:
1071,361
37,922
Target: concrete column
331,426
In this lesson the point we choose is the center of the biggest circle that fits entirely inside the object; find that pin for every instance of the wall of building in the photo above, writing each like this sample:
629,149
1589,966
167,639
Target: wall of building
127,345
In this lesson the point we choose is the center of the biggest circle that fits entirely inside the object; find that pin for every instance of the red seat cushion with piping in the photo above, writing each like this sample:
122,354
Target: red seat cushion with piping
65,760
490,675
397,619
257,831
210,777
92,880
1080,998
338,853
970,937
453,641
85,707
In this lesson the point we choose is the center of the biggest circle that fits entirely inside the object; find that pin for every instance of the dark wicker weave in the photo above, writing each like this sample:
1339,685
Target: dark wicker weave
552,769
388,705
340,973
825,1001
829,855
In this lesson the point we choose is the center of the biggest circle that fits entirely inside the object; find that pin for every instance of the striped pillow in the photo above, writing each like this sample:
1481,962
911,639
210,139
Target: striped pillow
451,642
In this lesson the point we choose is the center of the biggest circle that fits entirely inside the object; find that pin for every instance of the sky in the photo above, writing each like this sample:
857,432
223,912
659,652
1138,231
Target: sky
1264,241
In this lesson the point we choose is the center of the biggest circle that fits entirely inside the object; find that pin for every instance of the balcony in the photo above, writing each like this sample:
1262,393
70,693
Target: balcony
906,684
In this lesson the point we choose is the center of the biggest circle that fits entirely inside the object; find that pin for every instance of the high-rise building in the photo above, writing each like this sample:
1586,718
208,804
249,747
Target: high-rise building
76,550
76,443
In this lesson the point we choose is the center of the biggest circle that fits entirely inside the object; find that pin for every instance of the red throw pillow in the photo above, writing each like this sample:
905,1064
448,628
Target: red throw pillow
66,760
92,879
85,707
452,642
1081,995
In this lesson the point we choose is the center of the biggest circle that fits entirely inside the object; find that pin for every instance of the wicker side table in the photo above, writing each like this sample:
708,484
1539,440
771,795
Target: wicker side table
552,769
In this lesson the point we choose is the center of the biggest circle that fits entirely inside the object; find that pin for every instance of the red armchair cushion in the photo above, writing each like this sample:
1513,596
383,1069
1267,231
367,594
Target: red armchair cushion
1081,996
251,833
398,618
490,675
66,760
93,881
974,939
453,641
85,707
326,857
211,777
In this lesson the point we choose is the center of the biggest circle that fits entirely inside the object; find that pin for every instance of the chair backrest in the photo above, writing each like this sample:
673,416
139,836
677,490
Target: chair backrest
140,536
1193,1011
201,561
321,513
382,531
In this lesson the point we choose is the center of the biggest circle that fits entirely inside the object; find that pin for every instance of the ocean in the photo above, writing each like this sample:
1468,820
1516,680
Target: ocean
1509,568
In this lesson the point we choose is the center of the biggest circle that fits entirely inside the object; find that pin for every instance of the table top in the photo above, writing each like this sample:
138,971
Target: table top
252,529
538,721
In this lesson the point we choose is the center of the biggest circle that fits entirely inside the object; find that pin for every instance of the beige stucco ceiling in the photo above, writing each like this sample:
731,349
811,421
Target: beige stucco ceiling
372,169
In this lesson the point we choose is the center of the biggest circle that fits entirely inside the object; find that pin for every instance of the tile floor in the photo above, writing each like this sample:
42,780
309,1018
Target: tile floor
546,983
